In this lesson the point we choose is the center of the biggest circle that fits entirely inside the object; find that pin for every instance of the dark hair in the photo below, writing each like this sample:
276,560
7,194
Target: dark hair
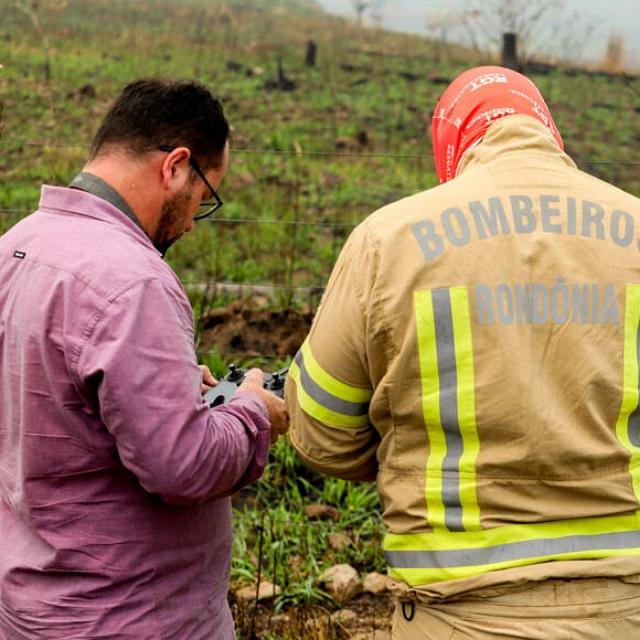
153,112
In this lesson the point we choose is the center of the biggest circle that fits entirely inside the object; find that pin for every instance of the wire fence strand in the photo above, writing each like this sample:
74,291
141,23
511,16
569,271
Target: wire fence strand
319,153
258,286
302,223
17,142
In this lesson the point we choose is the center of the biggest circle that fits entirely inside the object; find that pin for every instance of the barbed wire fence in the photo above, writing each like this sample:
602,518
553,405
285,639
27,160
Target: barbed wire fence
291,221
582,163
209,288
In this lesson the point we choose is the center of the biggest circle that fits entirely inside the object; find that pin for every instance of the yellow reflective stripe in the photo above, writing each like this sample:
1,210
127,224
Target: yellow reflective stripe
453,344
444,555
421,576
429,380
630,381
442,540
332,385
320,413
466,407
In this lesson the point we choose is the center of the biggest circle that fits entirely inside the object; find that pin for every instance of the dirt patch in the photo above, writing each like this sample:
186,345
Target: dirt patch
244,328
372,621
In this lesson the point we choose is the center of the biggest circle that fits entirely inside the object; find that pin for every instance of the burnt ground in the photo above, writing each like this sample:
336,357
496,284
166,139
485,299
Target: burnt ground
249,328
370,619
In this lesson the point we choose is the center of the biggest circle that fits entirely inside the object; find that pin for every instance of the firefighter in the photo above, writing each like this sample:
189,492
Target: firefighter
476,354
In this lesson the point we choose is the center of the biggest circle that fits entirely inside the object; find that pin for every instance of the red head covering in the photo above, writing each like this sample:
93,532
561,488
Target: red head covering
472,102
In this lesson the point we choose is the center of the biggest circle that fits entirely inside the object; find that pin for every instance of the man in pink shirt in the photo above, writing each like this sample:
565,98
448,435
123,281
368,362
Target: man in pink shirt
115,475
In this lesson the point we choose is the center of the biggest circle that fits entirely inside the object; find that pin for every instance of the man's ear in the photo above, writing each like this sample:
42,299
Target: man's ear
175,169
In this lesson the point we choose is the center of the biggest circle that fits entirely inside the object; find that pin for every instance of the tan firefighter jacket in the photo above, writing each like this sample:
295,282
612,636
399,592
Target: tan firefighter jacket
476,352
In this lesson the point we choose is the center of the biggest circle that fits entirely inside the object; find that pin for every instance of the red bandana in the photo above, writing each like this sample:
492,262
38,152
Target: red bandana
472,102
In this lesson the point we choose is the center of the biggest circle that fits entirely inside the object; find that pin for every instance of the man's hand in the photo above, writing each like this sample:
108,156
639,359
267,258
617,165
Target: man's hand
278,416
208,380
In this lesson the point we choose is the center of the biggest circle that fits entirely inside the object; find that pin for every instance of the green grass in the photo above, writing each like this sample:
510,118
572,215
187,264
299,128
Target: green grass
296,550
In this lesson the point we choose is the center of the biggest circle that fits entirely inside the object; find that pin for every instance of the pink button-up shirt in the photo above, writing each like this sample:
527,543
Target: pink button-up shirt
115,520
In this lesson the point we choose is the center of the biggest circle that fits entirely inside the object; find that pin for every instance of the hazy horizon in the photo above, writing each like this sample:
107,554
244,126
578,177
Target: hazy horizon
597,19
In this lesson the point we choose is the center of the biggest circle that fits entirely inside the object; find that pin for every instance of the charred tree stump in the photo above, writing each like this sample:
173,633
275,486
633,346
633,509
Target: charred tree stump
282,83
510,51
312,50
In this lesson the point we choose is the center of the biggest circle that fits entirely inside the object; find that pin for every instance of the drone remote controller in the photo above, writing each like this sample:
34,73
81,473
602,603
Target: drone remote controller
224,390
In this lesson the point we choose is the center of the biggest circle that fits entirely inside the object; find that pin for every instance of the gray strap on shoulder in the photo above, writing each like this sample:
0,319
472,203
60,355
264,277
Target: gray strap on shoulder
98,187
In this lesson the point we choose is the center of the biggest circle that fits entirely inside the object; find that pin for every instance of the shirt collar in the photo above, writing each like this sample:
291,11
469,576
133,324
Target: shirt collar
86,204
91,183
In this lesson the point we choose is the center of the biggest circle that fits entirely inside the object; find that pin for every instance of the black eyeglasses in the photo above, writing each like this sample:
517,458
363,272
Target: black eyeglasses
205,209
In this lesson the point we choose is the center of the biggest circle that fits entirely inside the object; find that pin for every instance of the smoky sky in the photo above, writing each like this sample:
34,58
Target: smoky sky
597,20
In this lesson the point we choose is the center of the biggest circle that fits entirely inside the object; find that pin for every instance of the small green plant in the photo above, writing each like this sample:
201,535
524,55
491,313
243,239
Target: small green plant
270,518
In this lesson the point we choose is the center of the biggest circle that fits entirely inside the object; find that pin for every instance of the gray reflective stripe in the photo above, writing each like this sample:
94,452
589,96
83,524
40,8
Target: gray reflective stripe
634,418
448,377
513,551
324,398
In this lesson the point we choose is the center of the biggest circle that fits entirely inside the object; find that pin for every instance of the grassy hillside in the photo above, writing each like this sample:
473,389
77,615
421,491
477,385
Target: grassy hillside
349,138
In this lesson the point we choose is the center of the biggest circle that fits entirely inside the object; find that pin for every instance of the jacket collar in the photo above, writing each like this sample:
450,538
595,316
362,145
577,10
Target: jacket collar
515,134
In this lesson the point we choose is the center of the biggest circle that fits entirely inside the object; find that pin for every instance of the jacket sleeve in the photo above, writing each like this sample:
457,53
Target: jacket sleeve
138,362
329,388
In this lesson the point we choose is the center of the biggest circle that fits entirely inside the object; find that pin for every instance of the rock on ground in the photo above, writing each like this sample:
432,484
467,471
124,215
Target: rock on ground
266,591
342,582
